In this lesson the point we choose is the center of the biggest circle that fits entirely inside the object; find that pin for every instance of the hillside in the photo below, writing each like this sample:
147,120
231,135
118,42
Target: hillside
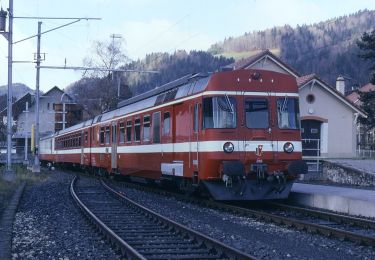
327,48
18,90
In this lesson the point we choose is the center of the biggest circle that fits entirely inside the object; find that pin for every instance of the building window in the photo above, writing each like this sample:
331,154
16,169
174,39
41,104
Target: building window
310,98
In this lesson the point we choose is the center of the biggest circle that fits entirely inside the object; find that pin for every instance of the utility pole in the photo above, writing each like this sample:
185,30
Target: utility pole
116,36
9,36
26,131
36,166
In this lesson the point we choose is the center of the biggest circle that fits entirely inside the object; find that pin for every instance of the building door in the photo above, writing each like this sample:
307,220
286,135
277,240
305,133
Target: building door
310,133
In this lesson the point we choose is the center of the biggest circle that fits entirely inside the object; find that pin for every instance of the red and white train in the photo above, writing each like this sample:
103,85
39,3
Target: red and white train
235,134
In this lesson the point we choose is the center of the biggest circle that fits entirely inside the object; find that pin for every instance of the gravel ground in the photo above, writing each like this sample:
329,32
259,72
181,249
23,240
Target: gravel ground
363,165
263,240
48,225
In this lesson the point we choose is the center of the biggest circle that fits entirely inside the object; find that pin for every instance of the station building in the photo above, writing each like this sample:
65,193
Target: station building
328,120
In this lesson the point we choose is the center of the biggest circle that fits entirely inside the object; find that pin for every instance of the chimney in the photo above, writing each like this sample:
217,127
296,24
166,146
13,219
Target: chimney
340,84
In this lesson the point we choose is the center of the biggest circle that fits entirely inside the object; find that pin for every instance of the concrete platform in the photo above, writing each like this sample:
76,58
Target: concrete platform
358,202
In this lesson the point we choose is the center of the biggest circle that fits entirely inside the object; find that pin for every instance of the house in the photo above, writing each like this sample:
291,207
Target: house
366,137
328,119
51,110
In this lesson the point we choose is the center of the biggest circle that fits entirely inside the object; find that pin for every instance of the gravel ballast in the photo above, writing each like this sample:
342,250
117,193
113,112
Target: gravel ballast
261,239
48,225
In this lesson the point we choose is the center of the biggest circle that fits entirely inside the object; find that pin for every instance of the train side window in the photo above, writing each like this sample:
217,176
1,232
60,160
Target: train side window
196,118
129,131
146,128
137,129
166,123
101,135
122,133
156,127
256,113
107,135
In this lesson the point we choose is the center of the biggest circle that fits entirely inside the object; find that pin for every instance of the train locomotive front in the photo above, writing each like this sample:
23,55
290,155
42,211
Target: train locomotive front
250,143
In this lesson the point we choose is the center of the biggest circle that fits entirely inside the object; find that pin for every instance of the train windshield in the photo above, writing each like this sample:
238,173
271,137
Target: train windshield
219,112
288,113
256,112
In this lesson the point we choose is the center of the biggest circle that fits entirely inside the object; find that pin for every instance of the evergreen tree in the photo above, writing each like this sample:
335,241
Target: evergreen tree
368,105
367,45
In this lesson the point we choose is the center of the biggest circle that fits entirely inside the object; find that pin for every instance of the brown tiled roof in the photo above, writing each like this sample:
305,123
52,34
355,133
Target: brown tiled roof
304,79
354,96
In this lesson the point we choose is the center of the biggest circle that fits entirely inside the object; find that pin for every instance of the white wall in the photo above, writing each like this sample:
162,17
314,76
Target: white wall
339,133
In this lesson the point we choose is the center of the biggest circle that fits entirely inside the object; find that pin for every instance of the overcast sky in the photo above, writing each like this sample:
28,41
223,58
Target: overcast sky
147,26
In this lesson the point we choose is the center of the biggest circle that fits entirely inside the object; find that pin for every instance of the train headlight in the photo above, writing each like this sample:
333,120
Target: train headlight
228,147
288,147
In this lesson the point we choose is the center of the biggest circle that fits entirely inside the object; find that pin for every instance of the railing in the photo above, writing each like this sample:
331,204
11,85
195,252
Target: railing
18,154
363,153
311,154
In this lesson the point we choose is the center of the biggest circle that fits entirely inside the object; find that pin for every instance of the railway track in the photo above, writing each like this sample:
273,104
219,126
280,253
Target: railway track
358,230
140,233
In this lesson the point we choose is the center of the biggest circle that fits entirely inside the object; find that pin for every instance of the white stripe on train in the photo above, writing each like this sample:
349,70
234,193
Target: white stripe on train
205,146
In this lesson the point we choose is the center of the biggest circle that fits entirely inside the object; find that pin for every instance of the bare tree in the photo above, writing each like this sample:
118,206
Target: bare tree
109,55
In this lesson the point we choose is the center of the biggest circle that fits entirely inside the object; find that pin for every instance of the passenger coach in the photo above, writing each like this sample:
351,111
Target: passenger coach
235,134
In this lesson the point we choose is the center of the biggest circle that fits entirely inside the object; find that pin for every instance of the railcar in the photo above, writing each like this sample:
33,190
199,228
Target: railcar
235,134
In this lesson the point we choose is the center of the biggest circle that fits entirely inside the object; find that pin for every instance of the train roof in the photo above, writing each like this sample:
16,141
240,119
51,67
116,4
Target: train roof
75,127
187,85
184,86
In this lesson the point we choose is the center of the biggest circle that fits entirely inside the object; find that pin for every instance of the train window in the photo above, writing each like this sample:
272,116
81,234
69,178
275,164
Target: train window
196,118
137,129
288,113
156,128
219,112
128,131
166,123
101,136
146,128
107,135
256,113
122,133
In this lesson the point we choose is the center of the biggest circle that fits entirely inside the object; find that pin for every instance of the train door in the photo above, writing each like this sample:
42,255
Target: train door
82,145
260,127
194,141
114,146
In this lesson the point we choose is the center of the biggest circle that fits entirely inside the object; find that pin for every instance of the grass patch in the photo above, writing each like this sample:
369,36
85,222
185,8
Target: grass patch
21,174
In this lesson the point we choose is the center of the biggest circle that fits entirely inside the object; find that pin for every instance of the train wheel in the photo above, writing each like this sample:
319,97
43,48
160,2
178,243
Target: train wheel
187,187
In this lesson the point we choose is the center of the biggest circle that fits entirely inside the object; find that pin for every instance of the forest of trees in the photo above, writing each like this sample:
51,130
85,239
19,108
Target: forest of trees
327,48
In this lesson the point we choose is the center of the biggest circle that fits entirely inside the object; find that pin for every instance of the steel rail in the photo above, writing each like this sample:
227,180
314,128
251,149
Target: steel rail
365,223
211,243
259,214
105,230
